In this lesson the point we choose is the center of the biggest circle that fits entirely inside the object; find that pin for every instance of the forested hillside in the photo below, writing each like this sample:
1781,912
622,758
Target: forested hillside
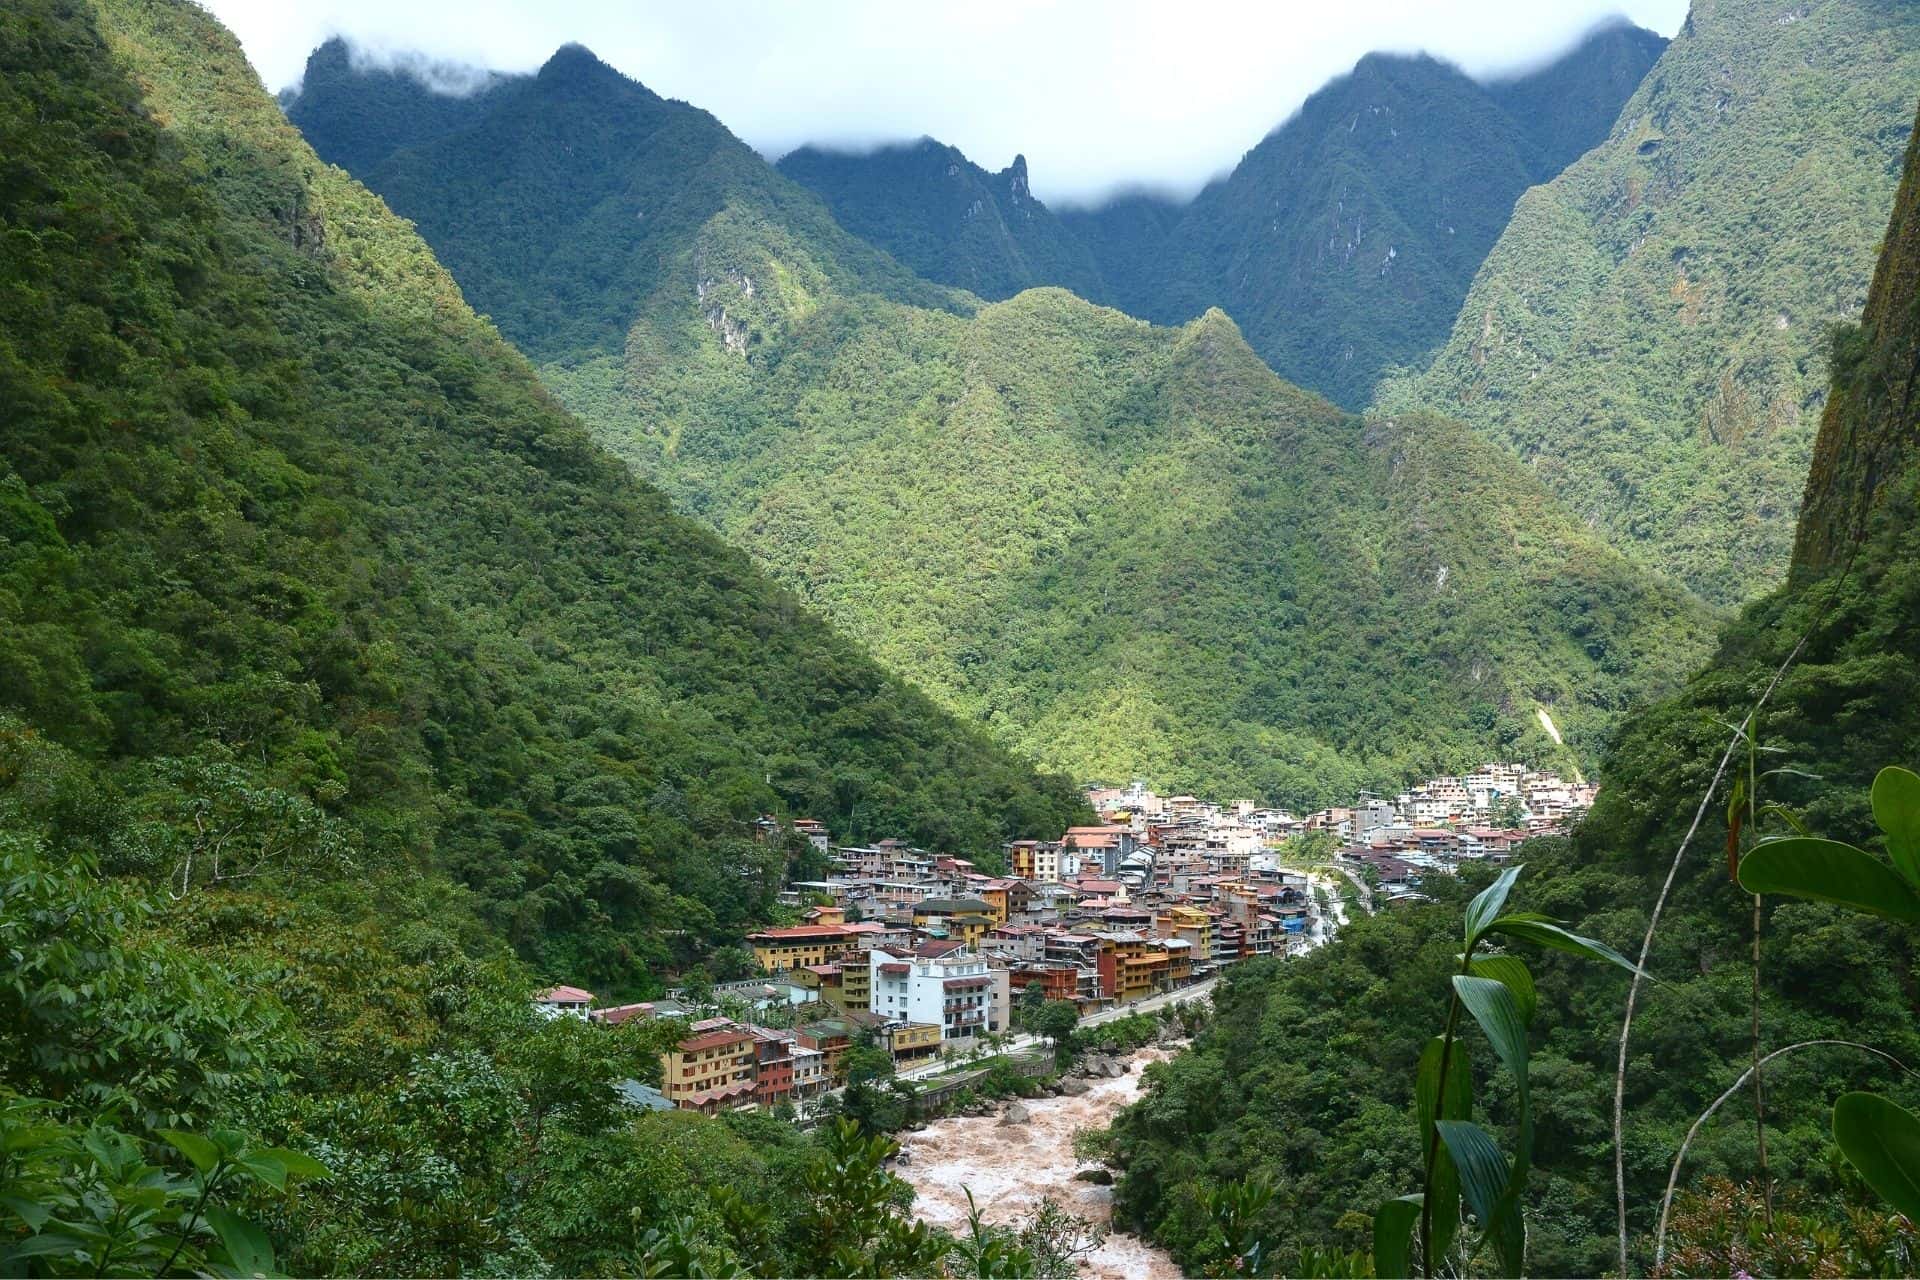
1123,550
1135,551
563,200
1651,331
286,526
1307,1075
1344,242
947,218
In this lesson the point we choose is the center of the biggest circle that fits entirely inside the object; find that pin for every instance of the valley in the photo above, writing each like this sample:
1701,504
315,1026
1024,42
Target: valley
582,697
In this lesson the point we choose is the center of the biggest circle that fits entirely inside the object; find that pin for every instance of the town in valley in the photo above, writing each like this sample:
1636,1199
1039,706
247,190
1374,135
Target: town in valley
929,956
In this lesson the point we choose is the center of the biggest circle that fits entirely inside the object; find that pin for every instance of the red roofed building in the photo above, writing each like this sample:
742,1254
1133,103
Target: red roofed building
714,1068
796,946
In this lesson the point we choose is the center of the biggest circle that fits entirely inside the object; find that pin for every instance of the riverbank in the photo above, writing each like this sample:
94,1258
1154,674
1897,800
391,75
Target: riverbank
1011,1168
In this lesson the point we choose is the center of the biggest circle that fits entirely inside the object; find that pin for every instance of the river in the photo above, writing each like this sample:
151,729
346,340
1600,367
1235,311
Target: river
1010,1168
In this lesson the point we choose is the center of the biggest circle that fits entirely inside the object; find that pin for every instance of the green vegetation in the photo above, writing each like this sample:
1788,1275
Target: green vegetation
303,565
1651,331
568,200
338,666
1345,241
1135,552
1123,551
1303,1077
947,218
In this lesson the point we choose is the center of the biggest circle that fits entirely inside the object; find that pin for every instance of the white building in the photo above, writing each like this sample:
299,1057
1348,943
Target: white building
939,983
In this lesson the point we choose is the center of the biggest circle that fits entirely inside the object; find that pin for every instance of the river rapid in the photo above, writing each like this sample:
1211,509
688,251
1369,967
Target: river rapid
1011,1168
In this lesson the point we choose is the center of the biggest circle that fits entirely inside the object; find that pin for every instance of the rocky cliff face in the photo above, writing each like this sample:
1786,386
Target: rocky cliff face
1869,433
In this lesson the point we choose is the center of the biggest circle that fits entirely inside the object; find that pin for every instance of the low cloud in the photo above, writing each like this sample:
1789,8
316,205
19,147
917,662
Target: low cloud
1100,95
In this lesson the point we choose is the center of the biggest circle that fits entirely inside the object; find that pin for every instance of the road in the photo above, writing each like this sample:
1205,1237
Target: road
1022,1042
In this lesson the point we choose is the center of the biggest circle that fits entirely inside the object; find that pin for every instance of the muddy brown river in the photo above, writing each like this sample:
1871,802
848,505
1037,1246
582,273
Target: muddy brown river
1010,1169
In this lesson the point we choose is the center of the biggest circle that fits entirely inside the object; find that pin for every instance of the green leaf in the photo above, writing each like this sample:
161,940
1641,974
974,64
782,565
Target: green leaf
200,1153
1458,1105
1896,807
1509,1237
248,1248
31,1212
298,1163
1487,903
1393,1224
1498,1013
1512,972
1828,871
1483,1170
1882,1141
1544,934
264,1167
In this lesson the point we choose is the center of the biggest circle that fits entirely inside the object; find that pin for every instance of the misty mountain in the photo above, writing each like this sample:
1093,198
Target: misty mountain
1651,331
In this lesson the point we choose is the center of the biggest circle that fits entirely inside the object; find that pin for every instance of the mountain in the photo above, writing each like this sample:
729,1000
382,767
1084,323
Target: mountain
400,109
1345,241
947,218
637,196
1307,1077
1343,244
284,520
1124,550
1651,331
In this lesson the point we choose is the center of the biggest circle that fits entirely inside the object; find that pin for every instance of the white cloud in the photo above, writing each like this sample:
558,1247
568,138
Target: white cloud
1097,93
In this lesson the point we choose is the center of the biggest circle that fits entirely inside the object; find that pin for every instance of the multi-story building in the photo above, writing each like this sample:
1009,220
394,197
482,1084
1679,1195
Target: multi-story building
1132,967
795,946
810,1076
963,920
937,983
773,1070
1034,860
1191,925
713,1069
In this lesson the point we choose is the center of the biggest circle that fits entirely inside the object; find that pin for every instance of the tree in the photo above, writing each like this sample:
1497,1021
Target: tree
1056,1022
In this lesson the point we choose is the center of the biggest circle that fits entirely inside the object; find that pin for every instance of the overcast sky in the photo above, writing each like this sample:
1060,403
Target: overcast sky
1099,94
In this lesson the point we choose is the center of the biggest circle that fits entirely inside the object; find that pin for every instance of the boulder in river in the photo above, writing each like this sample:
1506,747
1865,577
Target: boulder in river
1098,1176
1074,1086
1014,1114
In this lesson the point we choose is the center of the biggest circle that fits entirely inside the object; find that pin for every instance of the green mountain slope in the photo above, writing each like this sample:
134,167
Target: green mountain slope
562,197
1307,1076
1651,331
947,218
1344,242
282,518
357,113
1123,550
1131,550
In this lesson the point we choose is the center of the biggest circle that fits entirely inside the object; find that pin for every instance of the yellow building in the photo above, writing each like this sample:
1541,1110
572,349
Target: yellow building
958,919
1141,967
913,1041
1189,923
712,1070
794,947
995,896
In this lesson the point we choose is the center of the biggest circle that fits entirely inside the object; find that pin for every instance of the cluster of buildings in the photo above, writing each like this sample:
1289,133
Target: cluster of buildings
922,953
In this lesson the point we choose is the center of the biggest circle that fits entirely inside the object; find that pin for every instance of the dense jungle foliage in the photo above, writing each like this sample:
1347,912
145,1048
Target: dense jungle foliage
1123,550
947,218
1306,1075
1651,331
1345,241
1131,551
294,544
1342,244
562,199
